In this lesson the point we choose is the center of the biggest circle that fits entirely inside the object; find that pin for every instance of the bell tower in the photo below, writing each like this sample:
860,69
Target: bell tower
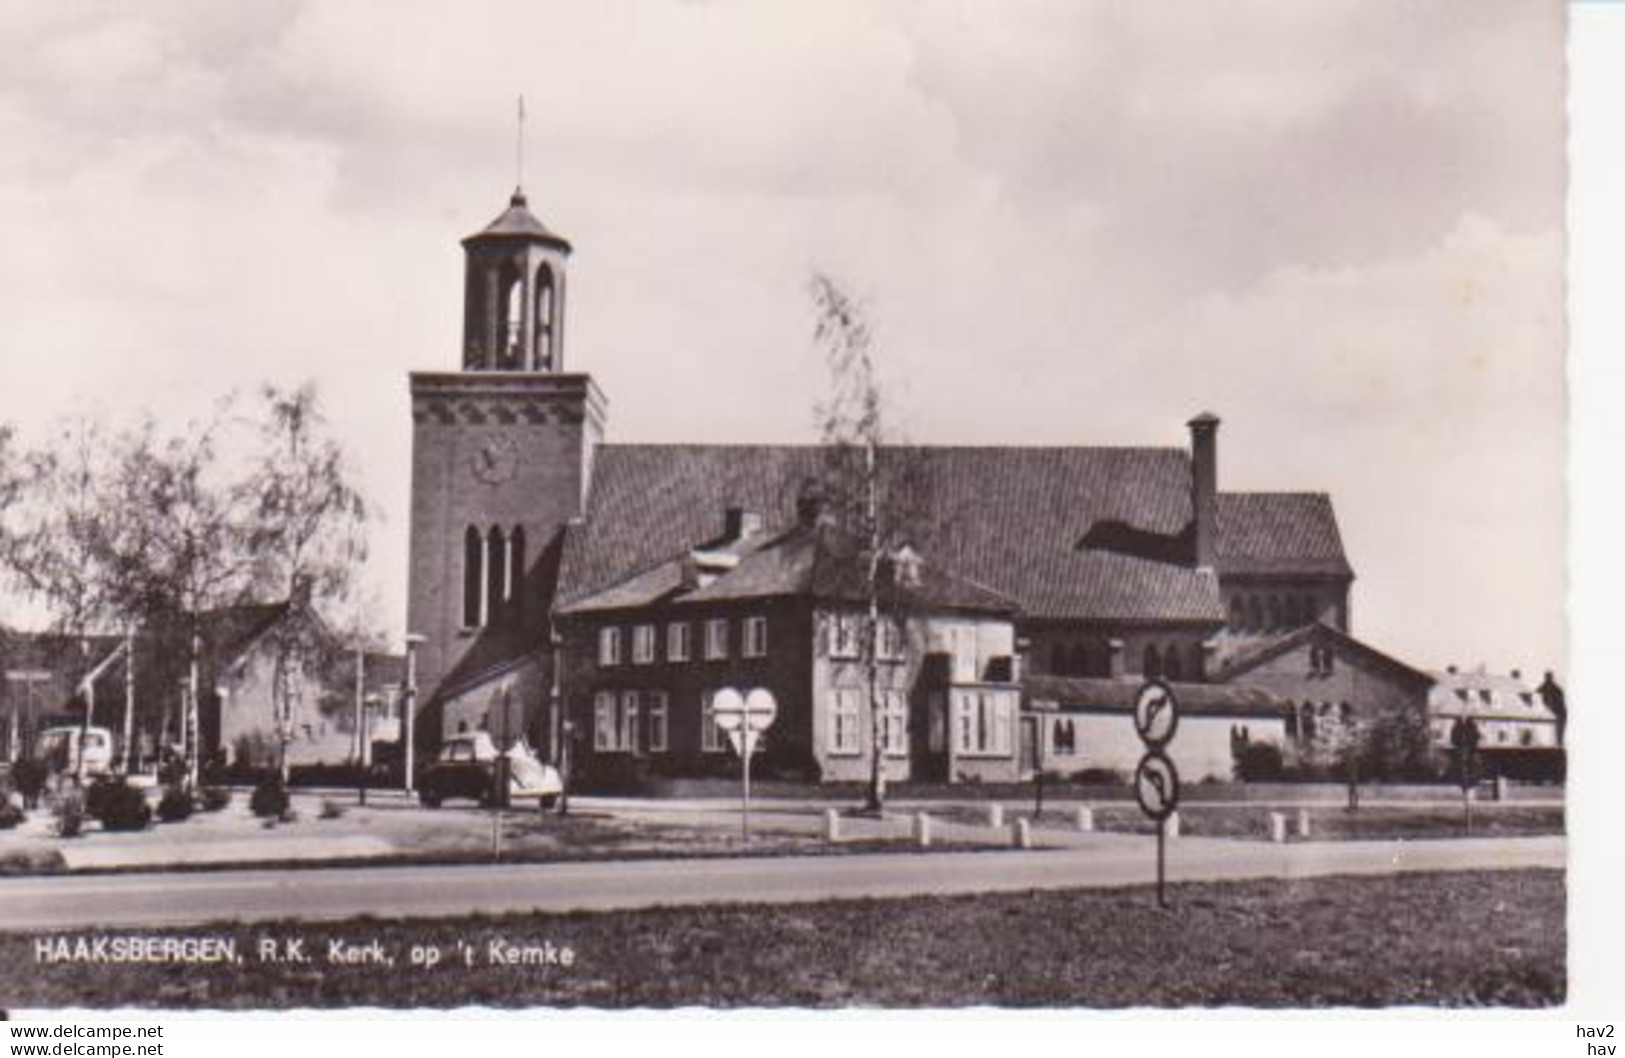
513,298
501,459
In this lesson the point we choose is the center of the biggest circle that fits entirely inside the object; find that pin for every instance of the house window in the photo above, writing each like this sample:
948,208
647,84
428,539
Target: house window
1064,738
712,737
1526,737
844,718
677,644
628,726
755,637
716,639
655,702
846,633
605,730
643,644
982,726
894,723
609,646
889,640
1151,662
1171,668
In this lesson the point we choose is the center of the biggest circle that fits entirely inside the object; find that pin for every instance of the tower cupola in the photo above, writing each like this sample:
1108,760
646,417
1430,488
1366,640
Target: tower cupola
513,303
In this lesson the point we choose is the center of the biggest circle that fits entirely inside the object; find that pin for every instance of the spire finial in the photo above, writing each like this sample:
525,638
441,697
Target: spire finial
519,150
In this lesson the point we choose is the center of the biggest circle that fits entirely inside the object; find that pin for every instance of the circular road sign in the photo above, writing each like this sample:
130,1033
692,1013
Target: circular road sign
1156,713
760,709
728,709
1156,785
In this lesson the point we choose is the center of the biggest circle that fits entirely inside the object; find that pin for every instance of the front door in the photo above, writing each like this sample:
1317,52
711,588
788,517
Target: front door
1029,746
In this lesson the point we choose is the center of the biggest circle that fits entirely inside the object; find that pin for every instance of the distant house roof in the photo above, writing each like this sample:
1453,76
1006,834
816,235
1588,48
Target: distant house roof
1486,696
1017,521
802,561
1292,533
1262,651
1077,694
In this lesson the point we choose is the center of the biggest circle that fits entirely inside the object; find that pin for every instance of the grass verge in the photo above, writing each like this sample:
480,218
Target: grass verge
1448,939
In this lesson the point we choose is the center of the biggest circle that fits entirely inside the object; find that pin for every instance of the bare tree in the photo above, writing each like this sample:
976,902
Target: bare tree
306,538
873,493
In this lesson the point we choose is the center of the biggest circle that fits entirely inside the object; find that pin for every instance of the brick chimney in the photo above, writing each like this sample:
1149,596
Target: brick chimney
1205,486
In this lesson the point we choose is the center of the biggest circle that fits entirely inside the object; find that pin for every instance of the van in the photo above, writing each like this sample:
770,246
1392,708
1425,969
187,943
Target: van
59,748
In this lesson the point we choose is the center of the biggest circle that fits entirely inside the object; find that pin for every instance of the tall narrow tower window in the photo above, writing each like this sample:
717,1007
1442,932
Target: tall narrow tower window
513,327
473,578
516,564
546,297
497,586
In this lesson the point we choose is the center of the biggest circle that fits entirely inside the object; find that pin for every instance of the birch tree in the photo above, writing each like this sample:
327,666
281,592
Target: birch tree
873,494
306,537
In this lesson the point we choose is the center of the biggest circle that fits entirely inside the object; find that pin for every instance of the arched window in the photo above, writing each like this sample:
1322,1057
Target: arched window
1238,613
1306,721
496,591
473,578
1077,661
1198,668
1151,662
546,314
1171,668
1255,611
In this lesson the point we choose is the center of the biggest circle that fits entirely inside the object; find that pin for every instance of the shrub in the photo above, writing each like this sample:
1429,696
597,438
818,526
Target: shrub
175,805
1099,777
269,800
29,777
1257,762
10,815
119,805
69,813
213,798
331,809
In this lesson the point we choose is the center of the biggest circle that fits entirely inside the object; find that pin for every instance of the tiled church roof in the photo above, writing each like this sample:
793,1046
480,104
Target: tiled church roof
1279,532
1012,519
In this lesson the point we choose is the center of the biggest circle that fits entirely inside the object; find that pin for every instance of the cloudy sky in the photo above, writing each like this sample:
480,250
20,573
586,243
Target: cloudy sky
1336,224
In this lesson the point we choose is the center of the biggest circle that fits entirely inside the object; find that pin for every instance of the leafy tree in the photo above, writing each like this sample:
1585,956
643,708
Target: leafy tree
56,548
179,537
873,494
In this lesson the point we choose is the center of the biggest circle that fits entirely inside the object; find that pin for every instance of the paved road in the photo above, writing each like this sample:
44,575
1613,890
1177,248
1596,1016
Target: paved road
142,900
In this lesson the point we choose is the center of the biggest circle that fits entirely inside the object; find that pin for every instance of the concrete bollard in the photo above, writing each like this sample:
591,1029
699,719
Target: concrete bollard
1021,834
1171,826
1278,828
1086,820
1303,822
995,815
832,825
922,829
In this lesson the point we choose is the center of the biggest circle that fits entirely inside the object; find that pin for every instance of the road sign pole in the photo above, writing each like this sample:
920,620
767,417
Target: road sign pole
1162,838
745,741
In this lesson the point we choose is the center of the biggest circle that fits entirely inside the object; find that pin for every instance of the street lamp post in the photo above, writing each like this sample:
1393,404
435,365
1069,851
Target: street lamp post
409,702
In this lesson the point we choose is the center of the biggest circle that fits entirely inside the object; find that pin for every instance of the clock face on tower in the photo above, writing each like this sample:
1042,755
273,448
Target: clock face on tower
495,460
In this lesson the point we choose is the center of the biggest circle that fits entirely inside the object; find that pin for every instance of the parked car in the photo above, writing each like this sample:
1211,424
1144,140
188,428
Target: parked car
467,767
59,748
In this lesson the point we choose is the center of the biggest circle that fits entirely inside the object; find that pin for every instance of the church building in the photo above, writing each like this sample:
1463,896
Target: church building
571,589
